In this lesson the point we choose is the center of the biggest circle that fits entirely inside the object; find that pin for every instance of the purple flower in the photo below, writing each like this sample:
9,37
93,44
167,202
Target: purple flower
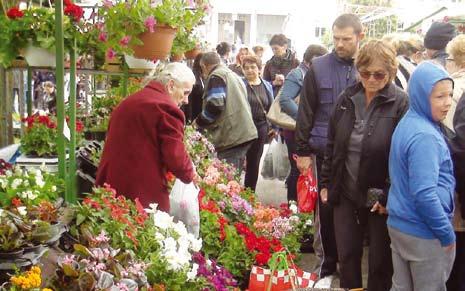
111,53
125,40
150,23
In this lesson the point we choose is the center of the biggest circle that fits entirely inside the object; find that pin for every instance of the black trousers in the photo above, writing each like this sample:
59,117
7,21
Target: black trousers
326,231
294,174
456,280
253,156
350,224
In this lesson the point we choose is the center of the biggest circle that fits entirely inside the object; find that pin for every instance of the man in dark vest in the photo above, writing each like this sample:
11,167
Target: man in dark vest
328,76
226,114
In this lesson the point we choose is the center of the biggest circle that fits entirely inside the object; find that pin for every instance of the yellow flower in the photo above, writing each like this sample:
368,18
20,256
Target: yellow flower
35,270
47,289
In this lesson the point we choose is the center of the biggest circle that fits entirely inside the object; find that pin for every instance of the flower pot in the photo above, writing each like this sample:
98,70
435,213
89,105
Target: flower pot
39,57
157,44
177,57
11,255
140,64
192,54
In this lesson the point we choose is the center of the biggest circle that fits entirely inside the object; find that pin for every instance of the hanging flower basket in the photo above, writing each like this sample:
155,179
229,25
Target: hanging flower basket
157,44
39,57
142,64
191,54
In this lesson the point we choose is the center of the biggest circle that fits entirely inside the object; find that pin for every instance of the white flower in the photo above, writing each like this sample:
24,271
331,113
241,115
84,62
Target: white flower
3,183
54,188
1,212
209,263
43,167
309,222
169,244
28,195
16,182
26,183
159,236
192,274
196,244
152,209
22,210
162,220
293,208
40,182
18,171
180,228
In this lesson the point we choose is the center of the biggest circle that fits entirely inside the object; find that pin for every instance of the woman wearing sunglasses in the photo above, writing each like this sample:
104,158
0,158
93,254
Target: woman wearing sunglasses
355,170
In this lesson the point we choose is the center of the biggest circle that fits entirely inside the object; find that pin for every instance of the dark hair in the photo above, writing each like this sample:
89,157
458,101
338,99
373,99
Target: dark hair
258,48
349,20
252,59
278,39
314,50
223,48
210,58
196,69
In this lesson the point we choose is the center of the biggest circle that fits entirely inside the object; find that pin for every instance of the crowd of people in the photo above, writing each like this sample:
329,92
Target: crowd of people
382,121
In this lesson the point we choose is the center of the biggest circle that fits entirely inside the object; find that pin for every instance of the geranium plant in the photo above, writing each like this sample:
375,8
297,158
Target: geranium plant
121,22
41,135
36,26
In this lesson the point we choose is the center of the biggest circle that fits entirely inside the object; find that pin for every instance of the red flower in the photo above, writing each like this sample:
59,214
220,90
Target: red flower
170,177
284,210
210,206
140,210
262,258
79,126
131,237
222,221
75,11
16,202
92,203
14,13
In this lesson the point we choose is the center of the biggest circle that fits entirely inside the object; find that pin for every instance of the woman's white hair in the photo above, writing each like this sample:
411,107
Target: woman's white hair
178,72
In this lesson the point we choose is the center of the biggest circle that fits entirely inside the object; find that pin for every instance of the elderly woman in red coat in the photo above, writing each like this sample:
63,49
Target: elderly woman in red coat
145,139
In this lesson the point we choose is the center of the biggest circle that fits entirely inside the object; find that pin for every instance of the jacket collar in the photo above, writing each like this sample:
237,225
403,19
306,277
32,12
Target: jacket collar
388,93
349,62
157,86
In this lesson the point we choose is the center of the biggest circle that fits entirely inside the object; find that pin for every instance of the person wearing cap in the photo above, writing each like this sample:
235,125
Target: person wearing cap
436,40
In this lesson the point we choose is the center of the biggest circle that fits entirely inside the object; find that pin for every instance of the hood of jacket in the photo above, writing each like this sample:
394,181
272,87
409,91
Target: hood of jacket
421,84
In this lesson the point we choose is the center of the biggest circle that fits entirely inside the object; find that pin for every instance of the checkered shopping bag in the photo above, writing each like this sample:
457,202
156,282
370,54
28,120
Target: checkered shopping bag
261,278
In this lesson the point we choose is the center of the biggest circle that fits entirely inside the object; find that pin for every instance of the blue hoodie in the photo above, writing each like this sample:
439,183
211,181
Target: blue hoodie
420,201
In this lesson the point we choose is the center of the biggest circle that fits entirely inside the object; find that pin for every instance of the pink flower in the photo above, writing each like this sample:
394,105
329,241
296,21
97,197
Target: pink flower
102,237
234,188
150,23
107,3
111,53
122,287
125,40
103,36
100,25
191,3
68,259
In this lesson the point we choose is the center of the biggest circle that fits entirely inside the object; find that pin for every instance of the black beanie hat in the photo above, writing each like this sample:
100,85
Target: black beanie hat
439,35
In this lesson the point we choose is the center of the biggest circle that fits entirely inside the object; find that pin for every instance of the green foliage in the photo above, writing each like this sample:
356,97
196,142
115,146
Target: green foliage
29,186
37,27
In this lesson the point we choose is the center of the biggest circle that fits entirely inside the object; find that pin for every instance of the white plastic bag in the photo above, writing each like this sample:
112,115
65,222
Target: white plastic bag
184,205
281,165
267,167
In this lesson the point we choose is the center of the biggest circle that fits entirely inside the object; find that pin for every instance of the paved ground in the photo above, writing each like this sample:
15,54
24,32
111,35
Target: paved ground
274,192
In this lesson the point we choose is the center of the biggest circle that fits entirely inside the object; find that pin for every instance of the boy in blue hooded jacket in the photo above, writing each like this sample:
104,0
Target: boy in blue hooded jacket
420,202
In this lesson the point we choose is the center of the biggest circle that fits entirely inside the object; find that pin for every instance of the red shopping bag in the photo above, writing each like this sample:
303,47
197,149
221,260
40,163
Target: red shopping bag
307,192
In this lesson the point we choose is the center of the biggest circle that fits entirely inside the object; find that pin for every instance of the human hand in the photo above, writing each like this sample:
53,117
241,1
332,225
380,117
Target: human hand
379,208
324,195
450,247
303,164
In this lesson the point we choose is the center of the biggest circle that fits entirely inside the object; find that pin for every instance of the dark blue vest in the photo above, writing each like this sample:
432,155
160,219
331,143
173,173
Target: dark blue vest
332,76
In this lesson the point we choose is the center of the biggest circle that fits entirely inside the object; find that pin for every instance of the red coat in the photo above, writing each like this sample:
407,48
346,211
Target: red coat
144,141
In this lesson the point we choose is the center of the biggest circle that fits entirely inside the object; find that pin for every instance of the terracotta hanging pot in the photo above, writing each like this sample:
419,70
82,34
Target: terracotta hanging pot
157,45
177,57
190,55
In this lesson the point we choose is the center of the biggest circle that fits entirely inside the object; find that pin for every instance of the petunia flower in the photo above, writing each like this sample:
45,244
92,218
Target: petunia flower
103,36
125,40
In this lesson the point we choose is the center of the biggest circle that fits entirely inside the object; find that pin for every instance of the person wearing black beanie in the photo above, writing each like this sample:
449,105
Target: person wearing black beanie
436,40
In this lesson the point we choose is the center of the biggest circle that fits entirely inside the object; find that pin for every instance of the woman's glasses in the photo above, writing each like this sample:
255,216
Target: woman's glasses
378,76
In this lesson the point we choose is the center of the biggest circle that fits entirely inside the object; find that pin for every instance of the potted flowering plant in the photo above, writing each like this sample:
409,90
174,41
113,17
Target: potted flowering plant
144,28
41,135
31,32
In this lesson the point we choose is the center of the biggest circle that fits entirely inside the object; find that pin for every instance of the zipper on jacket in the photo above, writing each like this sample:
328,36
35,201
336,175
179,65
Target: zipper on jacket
348,75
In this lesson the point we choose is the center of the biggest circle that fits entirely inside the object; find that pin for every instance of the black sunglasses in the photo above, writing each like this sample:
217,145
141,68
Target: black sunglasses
377,75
